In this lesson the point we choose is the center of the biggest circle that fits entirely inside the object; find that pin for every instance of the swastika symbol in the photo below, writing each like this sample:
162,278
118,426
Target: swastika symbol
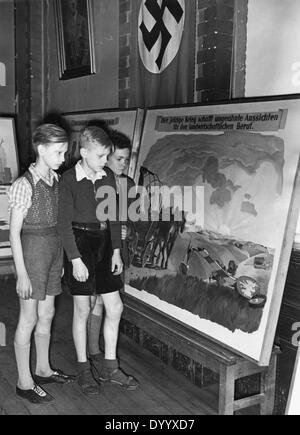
150,38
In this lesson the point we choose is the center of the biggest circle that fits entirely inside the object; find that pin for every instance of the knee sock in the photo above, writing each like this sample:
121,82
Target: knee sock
42,342
94,327
110,364
83,366
22,353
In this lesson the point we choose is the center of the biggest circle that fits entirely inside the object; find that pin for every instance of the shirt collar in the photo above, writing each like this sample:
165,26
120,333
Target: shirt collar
37,176
81,174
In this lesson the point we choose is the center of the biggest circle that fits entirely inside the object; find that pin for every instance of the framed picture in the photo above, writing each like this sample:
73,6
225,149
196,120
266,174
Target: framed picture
128,122
5,249
219,269
9,164
9,171
75,37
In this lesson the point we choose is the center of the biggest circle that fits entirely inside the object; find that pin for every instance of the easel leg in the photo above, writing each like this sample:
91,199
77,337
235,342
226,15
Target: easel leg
226,390
268,380
2,334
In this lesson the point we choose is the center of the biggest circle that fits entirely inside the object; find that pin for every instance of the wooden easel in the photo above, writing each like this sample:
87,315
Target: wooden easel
228,365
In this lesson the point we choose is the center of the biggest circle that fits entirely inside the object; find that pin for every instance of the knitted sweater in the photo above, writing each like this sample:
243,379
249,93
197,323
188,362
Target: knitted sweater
44,209
77,203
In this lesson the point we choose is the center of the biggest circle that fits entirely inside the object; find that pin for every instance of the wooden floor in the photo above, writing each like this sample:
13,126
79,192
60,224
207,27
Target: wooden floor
163,391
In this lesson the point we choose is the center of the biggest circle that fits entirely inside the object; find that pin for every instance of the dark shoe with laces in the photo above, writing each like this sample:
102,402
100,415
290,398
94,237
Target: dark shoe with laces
57,377
35,395
87,383
117,376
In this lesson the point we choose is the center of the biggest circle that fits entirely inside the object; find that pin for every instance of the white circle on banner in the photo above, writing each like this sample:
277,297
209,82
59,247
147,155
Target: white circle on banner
160,32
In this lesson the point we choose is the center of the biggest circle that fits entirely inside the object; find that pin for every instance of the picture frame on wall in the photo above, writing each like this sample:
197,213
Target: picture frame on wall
127,121
9,162
75,38
5,248
220,270
9,171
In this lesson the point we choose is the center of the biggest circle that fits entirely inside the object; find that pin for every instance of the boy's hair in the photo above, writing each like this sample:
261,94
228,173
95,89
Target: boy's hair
120,140
47,134
93,134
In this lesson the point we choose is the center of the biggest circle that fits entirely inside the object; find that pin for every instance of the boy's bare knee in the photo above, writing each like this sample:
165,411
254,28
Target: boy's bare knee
27,323
115,311
82,312
46,316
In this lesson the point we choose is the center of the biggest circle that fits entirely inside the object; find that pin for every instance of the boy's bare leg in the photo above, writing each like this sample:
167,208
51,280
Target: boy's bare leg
82,307
113,311
110,371
26,324
42,336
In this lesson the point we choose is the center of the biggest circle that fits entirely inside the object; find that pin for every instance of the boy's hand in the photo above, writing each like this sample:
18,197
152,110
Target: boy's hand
116,262
80,271
24,288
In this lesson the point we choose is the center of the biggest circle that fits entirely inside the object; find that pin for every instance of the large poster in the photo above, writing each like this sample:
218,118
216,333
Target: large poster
220,265
128,122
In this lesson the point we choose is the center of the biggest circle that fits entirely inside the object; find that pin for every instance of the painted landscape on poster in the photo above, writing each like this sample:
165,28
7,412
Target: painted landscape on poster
218,275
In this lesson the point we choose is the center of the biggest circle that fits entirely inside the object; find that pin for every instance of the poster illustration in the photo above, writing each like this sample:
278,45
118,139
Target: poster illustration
218,268
128,122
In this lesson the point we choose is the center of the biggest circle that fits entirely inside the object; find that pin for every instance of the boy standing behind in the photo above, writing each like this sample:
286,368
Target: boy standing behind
91,269
37,253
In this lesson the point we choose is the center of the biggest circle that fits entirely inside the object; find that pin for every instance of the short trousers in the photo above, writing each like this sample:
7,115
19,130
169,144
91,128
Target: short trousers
96,252
43,257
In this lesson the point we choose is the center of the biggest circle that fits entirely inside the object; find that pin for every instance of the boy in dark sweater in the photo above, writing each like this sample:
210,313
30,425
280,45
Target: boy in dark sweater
38,257
93,251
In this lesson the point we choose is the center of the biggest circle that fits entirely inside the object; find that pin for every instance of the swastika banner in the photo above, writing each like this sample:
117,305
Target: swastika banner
163,43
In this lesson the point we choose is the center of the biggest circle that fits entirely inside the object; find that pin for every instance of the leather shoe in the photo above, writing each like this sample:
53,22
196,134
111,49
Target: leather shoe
35,395
57,377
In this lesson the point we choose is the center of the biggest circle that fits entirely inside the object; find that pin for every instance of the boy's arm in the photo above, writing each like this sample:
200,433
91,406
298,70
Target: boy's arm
65,219
24,288
65,230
